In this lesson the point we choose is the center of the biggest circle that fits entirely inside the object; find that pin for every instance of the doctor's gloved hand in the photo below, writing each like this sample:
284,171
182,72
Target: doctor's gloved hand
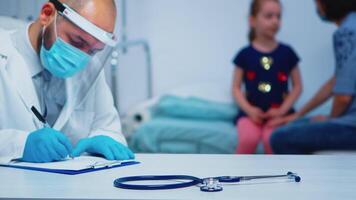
46,145
105,146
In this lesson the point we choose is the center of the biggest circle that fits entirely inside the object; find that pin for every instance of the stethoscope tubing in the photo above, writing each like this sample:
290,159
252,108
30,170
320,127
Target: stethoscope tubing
122,182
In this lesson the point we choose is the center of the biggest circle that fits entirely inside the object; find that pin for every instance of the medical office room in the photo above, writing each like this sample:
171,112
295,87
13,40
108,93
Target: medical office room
177,99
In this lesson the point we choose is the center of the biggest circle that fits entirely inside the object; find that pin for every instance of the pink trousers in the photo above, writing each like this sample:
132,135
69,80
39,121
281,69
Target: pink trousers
250,134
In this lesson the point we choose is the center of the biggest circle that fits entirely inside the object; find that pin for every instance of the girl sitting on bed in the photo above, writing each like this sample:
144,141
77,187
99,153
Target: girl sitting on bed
264,67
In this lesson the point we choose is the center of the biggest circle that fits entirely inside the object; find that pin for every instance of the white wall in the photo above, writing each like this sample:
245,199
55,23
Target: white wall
195,41
22,9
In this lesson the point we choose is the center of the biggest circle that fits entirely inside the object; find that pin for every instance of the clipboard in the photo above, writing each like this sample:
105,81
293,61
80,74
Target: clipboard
78,165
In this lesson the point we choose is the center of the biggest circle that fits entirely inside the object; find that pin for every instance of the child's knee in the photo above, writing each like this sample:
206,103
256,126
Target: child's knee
245,122
245,125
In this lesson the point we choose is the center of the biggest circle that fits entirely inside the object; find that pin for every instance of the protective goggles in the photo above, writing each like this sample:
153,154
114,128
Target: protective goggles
100,34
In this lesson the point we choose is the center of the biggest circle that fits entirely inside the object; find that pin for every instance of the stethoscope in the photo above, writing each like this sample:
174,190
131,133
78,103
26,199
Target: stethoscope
211,184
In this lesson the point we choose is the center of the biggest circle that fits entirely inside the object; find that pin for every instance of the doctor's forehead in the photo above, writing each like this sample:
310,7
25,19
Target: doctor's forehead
102,13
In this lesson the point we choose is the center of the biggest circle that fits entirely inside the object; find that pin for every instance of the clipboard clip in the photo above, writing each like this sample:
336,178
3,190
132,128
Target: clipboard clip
110,164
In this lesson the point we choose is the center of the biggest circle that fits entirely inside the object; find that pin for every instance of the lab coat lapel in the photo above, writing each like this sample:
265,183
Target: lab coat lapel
20,77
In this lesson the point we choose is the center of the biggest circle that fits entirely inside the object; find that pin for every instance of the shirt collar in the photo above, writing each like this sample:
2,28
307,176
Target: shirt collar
350,18
21,39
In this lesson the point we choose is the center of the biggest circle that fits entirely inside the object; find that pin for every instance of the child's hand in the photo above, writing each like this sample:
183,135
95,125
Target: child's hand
279,121
256,115
291,117
319,118
276,122
274,113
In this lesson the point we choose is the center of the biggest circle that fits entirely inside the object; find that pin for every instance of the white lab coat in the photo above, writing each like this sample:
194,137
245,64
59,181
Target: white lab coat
86,114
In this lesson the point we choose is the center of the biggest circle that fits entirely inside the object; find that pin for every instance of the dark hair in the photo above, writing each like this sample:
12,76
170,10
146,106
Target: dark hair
338,9
254,9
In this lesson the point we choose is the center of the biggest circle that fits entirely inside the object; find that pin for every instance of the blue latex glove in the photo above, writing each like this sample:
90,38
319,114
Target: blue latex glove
105,146
46,145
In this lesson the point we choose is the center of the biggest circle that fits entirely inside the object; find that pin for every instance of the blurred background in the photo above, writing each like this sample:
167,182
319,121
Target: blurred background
185,48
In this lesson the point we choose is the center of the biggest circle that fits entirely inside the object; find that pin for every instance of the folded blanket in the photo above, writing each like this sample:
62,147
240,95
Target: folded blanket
194,108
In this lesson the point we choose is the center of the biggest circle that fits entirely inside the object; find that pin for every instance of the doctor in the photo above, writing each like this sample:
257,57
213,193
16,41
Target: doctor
50,65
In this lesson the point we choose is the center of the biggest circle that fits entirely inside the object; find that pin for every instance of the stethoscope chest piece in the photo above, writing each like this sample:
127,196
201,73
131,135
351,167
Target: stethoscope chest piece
211,185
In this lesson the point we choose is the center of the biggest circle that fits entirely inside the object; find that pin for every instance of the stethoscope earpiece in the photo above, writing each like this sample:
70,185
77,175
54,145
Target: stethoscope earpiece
295,176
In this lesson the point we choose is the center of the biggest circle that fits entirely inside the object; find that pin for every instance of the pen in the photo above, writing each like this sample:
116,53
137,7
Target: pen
40,117
44,122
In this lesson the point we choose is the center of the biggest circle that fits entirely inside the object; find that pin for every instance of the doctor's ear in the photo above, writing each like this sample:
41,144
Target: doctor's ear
47,14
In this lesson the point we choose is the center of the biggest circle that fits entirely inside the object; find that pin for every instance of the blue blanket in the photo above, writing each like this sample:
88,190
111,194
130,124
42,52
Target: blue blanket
194,108
187,125
172,135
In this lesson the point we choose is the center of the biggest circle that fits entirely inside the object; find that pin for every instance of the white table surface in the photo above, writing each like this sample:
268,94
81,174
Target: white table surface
323,177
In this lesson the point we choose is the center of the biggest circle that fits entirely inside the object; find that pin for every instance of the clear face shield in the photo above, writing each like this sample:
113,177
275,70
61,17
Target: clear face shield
71,15
79,83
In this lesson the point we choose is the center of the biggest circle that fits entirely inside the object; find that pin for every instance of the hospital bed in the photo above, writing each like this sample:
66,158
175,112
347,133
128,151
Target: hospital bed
191,119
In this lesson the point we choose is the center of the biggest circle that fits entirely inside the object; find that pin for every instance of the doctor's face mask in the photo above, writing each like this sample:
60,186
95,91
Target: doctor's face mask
62,59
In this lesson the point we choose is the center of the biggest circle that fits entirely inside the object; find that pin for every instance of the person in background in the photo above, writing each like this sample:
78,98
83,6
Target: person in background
265,67
336,131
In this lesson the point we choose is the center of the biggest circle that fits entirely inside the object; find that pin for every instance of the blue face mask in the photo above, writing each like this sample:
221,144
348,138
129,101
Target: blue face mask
62,59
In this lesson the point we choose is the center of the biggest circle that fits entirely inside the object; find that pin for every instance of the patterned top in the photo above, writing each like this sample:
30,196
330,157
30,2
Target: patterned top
266,75
345,71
